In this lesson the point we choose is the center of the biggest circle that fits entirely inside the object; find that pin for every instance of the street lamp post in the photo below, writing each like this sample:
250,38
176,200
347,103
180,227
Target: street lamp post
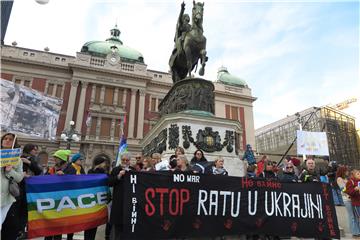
70,135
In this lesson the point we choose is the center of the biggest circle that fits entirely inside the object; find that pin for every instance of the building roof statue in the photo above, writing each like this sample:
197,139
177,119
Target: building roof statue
226,78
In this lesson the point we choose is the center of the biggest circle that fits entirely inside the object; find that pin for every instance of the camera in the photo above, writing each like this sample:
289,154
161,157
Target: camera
173,161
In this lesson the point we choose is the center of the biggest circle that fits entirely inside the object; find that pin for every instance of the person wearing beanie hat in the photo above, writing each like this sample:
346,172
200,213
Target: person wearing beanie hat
75,167
61,158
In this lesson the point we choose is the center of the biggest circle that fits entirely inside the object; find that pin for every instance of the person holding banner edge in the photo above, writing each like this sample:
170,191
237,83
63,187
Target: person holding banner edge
10,226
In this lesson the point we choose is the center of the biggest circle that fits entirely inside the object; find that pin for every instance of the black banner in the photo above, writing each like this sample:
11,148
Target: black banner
166,205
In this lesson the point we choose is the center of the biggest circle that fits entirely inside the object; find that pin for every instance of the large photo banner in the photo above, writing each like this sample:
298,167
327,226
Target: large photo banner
165,205
312,143
27,112
59,204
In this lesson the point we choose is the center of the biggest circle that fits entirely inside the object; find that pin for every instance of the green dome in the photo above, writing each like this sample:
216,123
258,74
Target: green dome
226,78
103,48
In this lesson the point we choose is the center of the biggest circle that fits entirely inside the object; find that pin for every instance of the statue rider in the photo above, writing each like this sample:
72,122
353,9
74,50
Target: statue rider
182,27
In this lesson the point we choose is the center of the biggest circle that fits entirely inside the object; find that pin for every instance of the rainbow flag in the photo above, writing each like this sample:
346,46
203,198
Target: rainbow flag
60,204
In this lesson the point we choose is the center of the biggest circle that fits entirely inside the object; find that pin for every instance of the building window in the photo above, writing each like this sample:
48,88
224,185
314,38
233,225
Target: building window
25,53
32,54
57,59
93,126
50,89
234,113
105,127
109,96
153,105
97,94
58,91
27,83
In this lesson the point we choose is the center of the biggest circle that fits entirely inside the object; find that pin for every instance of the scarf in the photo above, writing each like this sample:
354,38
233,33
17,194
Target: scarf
77,168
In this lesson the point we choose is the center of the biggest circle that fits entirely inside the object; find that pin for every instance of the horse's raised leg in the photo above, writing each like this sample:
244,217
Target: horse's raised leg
203,61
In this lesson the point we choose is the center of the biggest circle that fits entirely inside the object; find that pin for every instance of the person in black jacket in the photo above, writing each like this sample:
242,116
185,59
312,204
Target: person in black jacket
116,181
101,164
30,168
288,174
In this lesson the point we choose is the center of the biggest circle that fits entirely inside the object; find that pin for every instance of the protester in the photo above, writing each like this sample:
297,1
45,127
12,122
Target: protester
60,157
147,165
288,174
218,168
268,172
251,171
75,167
179,151
342,175
30,168
309,174
183,164
116,181
199,164
100,167
156,158
260,165
139,162
353,189
10,225
249,155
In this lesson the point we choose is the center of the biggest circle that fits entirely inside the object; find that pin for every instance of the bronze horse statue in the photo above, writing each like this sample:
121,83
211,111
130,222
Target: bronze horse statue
190,44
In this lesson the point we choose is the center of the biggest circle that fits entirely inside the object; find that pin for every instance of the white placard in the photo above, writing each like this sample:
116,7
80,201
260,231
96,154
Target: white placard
312,143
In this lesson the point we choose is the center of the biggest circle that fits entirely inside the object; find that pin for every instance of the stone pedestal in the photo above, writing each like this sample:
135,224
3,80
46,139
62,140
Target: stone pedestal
197,130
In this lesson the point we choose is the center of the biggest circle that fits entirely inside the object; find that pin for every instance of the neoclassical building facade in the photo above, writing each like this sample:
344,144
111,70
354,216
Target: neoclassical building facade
106,82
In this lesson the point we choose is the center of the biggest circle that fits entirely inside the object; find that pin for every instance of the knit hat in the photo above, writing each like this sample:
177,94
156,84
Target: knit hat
76,157
99,160
62,154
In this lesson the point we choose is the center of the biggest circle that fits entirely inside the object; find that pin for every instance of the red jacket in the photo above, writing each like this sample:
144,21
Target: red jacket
350,189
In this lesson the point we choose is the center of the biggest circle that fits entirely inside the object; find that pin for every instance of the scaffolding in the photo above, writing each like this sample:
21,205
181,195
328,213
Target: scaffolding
343,142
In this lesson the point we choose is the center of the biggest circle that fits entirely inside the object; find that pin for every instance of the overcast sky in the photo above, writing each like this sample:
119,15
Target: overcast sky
292,54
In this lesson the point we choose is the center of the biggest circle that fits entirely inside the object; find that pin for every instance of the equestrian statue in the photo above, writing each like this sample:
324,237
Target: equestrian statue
190,44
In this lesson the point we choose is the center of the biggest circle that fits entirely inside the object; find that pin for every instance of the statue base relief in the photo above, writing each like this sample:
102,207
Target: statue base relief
192,130
189,94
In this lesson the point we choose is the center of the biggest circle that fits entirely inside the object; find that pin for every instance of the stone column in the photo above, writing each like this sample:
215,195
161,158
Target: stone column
112,129
102,95
98,125
157,104
93,92
132,113
140,126
116,96
71,102
80,113
124,97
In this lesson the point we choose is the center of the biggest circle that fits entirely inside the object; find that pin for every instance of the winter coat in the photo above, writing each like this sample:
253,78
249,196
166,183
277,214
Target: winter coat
116,214
288,177
17,174
350,189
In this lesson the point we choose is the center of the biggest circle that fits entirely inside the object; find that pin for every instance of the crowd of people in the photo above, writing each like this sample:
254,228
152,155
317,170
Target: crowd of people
345,183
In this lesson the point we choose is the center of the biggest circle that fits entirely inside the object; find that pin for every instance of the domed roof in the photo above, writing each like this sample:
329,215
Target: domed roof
226,78
103,48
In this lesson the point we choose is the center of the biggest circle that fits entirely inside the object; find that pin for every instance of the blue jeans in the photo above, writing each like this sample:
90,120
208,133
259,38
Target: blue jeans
336,193
353,218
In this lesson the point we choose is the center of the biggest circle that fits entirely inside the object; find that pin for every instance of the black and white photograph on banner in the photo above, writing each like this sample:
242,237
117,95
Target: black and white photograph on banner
28,112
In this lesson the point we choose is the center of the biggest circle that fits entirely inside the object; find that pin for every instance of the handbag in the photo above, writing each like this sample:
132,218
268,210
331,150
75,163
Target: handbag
13,187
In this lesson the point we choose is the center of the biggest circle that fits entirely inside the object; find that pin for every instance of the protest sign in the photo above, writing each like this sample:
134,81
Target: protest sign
60,204
165,205
312,143
27,112
9,156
